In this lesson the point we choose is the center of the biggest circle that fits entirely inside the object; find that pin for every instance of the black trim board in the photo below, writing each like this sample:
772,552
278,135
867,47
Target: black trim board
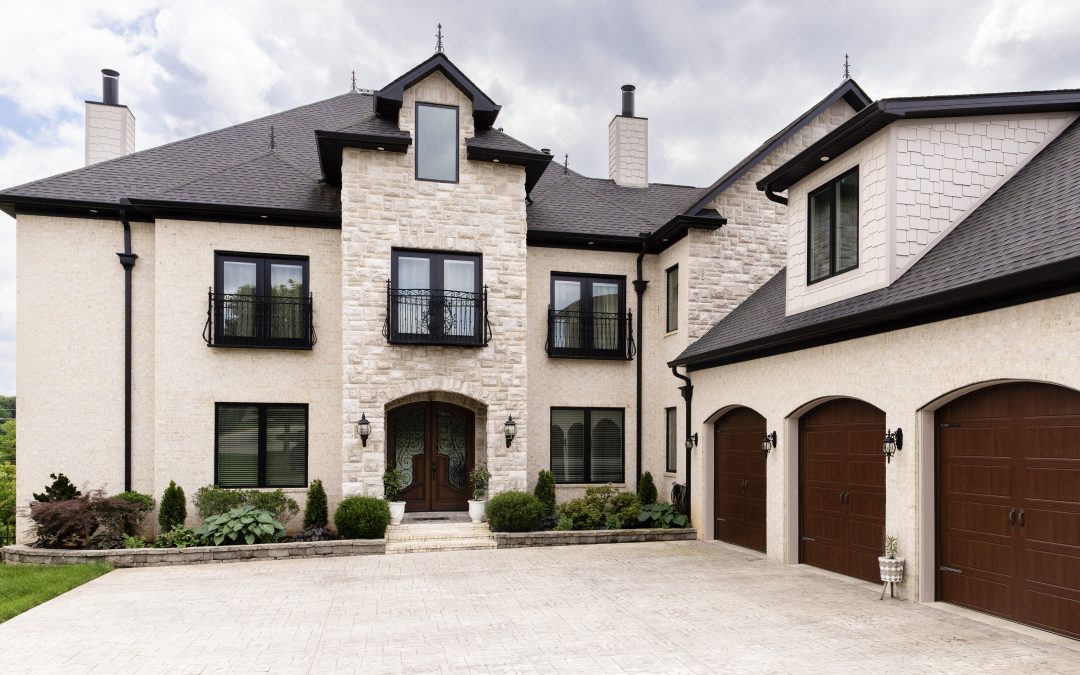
389,99
331,146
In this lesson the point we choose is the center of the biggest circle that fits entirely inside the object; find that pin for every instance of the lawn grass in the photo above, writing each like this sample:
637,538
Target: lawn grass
26,586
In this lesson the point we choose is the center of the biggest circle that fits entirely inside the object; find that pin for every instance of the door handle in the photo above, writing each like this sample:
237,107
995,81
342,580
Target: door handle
434,470
1021,516
841,496
1012,516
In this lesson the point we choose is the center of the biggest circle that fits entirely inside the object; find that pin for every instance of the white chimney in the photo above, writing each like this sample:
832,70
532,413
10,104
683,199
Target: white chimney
628,145
110,127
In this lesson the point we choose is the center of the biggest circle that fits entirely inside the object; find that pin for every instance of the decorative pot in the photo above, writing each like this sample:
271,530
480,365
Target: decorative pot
477,510
397,512
892,569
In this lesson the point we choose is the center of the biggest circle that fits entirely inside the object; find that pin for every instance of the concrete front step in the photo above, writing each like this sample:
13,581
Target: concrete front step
417,537
433,546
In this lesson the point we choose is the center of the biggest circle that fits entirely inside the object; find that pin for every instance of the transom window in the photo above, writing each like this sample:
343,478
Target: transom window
261,445
587,316
261,300
436,142
832,242
671,439
587,445
436,298
672,279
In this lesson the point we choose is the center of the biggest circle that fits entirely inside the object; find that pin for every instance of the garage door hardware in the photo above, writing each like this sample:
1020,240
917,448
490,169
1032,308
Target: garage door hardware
808,539
942,568
1012,516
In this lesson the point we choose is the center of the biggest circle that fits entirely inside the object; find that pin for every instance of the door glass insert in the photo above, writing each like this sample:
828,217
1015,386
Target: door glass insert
451,443
566,325
287,289
459,314
412,308
408,441
605,309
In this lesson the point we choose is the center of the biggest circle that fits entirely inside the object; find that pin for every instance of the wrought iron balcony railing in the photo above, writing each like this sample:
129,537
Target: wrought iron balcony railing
242,320
590,335
436,317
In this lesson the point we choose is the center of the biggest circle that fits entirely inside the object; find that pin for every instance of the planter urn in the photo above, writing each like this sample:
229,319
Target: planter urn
892,569
477,510
397,512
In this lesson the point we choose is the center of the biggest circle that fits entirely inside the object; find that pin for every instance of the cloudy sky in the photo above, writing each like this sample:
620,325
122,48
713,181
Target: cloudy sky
715,78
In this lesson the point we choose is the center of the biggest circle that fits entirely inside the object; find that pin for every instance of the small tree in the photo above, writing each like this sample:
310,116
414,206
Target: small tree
646,490
173,510
61,490
545,492
315,510
393,481
479,477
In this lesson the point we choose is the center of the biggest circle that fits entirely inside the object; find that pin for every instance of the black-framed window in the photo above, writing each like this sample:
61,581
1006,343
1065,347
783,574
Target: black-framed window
671,435
261,300
832,235
587,445
436,297
261,445
672,283
436,142
587,316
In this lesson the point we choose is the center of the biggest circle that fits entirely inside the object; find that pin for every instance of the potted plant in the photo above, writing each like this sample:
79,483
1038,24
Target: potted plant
393,480
891,567
479,478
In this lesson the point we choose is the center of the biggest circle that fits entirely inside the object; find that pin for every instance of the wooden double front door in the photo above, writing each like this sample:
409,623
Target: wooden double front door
432,444
1008,490
842,488
739,483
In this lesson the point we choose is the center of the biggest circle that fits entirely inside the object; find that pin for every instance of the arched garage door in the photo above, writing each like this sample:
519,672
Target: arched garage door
739,487
1008,483
842,488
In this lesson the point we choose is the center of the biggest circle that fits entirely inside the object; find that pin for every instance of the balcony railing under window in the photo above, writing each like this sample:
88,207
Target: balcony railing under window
244,320
436,317
590,335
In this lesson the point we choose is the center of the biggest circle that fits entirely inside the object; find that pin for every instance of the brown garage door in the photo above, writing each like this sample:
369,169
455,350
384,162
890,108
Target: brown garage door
1009,504
842,488
739,488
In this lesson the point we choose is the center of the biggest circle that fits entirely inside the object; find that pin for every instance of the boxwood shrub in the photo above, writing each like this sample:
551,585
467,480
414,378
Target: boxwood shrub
515,511
362,518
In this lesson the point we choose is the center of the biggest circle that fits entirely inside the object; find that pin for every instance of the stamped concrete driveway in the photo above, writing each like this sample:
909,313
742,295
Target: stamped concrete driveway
658,607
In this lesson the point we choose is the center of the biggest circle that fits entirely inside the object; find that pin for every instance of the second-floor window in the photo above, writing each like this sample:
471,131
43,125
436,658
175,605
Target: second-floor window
436,298
672,280
587,317
832,239
261,301
436,142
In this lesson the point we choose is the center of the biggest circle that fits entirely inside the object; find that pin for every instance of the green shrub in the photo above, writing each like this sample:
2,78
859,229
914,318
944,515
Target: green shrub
612,522
514,511
393,480
646,490
91,519
582,514
211,500
564,523
479,478
362,518
601,501
145,503
135,541
625,506
7,504
243,525
662,515
545,492
315,509
178,537
173,511
61,490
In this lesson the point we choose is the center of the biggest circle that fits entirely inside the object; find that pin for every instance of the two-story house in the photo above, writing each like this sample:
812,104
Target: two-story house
913,371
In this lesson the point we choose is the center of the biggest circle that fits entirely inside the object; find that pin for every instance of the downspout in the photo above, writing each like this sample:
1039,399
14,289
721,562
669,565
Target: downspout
687,391
773,197
127,260
639,288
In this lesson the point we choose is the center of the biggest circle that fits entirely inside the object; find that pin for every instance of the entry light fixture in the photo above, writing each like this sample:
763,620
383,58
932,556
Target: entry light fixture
691,441
510,428
768,442
894,441
363,427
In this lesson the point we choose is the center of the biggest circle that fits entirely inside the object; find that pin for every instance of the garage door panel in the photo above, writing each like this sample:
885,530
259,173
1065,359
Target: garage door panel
824,527
971,555
1052,484
825,470
868,535
826,555
1052,569
866,473
865,442
1049,527
1053,612
979,480
1052,442
976,443
979,519
977,593
865,504
822,499
823,442
739,481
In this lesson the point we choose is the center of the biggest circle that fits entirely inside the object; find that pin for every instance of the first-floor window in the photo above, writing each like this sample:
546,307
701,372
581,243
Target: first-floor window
587,445
261,445
671,436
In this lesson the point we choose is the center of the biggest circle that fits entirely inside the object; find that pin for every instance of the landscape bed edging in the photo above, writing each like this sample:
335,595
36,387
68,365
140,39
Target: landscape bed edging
193,555
573,537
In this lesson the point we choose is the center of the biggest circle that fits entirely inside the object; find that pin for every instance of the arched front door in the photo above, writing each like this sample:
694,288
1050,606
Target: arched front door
739,482
1008,509
432,444
842,487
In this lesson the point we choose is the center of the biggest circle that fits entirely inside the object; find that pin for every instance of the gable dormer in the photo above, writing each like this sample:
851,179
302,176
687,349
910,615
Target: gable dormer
868,200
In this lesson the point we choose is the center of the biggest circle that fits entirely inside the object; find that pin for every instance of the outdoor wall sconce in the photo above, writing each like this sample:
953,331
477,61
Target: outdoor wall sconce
510,428
768,442
691,441
894,441
363,427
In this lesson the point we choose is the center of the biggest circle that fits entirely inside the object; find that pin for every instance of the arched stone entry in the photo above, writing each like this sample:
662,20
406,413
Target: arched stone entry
739,486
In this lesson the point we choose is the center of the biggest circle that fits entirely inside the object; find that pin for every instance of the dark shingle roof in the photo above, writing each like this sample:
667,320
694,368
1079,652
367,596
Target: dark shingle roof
493,139
1023,237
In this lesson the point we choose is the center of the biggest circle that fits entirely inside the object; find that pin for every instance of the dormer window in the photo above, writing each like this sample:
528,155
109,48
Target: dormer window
436,142
832,238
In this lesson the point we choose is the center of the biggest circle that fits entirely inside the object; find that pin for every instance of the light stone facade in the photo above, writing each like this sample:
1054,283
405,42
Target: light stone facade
628,151
110,132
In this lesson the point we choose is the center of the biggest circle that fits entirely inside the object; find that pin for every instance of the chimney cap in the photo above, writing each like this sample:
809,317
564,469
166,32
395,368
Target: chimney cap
109,72
628,87
546,151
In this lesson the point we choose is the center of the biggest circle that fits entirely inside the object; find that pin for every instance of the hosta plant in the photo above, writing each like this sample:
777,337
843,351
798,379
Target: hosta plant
243,525
662,515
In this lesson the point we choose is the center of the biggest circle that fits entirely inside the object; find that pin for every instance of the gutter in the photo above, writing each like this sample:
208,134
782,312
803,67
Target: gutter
639,288
687,391
127,260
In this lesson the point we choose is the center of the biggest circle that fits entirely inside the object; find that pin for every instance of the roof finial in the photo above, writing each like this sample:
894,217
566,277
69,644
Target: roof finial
566,163
272,137
354,81
847,68
438,40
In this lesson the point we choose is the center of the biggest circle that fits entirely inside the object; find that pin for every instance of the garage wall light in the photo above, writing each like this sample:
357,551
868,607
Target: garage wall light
768,442
691,441
894,441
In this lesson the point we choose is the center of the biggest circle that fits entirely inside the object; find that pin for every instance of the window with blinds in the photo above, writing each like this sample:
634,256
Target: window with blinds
261,445
671,439
832,239
587,445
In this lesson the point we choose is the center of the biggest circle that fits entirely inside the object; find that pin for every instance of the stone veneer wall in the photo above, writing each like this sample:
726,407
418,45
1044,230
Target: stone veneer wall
628,151
385,207
110,132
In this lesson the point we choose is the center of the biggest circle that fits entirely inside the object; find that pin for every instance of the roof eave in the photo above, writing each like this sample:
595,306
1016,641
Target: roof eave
332,143
678,227
535,163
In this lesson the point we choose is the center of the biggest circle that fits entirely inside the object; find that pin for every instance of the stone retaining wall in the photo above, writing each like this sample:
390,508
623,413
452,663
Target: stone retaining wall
569,538
147,557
